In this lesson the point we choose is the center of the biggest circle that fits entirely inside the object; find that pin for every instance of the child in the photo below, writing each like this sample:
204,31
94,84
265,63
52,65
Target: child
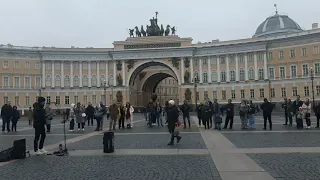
300,118
15,118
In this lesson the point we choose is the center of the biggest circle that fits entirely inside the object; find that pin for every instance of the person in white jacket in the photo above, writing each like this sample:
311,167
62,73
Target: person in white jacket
306,108
129,115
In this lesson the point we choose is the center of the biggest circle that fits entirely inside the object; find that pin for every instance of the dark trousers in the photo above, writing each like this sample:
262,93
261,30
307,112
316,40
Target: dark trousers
173,135
39,131
81,125
98,124
205,122
210,121
71,127
14,125
121,122
265,118
290,118
90,118
228,118
318,119
48,127
299,123
308,121
5,122
200,120
184,120
286,117
30,121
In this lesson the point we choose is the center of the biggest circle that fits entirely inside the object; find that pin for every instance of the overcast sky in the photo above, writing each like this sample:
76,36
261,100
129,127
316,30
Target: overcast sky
97,23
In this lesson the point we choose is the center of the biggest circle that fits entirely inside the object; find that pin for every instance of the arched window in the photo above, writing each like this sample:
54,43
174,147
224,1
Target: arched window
57,81
48,81
223,75
214,76
85,81
261,74
94,81
111,80
251,73
102,79
205,77
232,75
66,81
76,82
242,75
196,74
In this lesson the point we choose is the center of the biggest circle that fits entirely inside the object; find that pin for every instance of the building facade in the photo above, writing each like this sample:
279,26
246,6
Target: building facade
275,63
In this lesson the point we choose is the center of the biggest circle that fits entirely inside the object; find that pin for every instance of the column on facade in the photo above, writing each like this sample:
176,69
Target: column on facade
191,69
256,77
114,73
89,74
98,74
237,68
218,69
52,74
43,78
71,74
200,70
182,70
123,73
265,66
227,68
107,73
209,69
246,67
62,74
80,73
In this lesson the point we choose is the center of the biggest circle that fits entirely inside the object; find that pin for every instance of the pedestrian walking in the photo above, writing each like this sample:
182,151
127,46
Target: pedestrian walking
290,111
216,114
90,114
285,107
185,109
30,116
198,109
38,124
6,114
173,116
15,118
267,108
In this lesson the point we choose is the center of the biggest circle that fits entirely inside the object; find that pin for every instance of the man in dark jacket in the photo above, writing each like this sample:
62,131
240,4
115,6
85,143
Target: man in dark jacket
317,112
90,113
151,113
172,115
198,109
266,108
229,108
285,107
296,104
6,114
185,109
38,124
215,112
206,114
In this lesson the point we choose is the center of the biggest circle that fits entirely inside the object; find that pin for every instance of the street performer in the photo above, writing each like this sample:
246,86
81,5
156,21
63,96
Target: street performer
39,125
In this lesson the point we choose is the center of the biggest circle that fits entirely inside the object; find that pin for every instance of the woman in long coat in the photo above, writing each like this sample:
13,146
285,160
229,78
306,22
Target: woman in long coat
80,116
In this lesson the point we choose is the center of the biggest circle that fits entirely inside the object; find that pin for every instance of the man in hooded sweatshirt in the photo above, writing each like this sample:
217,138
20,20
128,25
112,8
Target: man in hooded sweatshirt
39,116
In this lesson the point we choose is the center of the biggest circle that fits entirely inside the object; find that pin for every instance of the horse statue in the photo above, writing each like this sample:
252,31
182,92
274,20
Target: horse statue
138,33
167,31
143,32
161,30
148,31
131,32
157,30
173,30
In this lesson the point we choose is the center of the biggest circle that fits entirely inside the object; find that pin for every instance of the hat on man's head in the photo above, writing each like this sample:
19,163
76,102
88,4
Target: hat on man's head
171,102
41,99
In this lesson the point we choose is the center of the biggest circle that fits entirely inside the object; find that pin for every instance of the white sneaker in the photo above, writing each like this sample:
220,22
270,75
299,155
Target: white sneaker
83,129
43,151
70,130
38,153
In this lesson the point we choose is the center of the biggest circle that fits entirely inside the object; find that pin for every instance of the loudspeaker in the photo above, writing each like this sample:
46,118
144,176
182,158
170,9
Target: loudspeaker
19,149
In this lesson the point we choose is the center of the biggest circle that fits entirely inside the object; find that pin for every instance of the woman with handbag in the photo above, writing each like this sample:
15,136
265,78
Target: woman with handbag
129,115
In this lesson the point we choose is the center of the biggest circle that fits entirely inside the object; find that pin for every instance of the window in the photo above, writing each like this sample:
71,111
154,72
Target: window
85,99
318,90
93,65
38,82
283,92
94,81
58,100
103,98
66,100
196,62
231,60
223,76
76,81
67,81
6,82
282,72
250,58
48,81
57,81
260,56
271,73
204,61
16,101
5,64
280,54
251,74
38,65
66,66
316,50
241,59
102,79
294,91
196,75
48,65
293,71
5,99
94,99
102,65
48,99
270,56
205,94
261,74
305,70
242,75
233,94
224,94
214,94
242,94
75,66
232,75
306,91
222,60
304,51
75,99
27,65
198,96
261,92
27,101
57,66
16,65
213,60
205,77
27,82
292,53
16,82
317,68
214,77
272,92
252,93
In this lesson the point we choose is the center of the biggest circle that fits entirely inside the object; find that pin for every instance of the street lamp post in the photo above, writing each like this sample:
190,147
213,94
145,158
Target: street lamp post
196,81
312,86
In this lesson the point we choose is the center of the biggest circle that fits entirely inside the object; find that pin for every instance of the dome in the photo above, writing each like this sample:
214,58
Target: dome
277,25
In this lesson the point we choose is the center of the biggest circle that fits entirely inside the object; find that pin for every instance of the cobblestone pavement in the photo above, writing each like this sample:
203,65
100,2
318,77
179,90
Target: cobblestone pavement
112,168
290,166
